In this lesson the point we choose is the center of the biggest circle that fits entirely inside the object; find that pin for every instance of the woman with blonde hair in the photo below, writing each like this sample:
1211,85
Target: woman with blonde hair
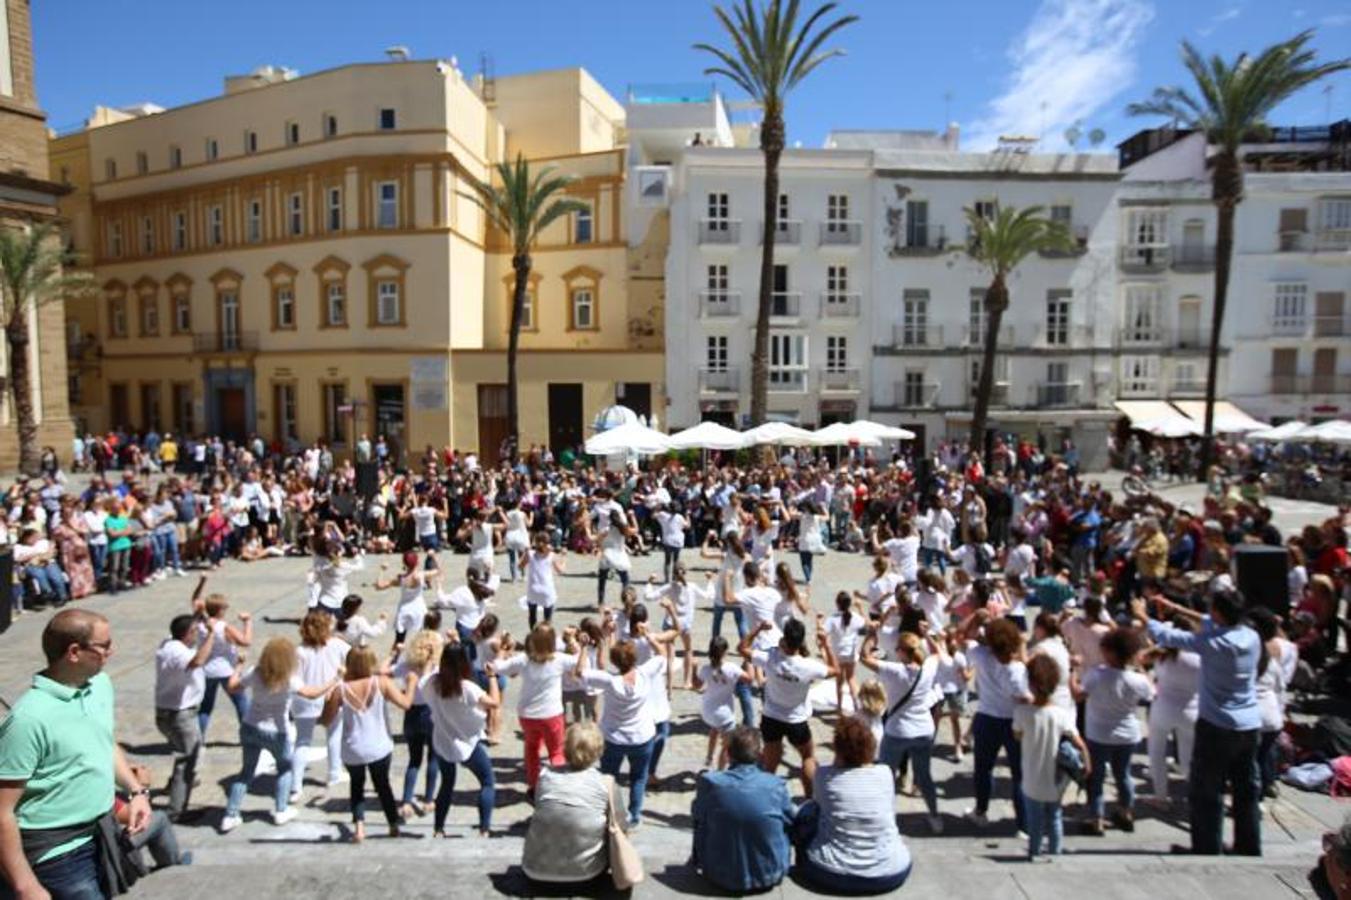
419,659
908,726
321,655
366,744
540,705
228,643
273,684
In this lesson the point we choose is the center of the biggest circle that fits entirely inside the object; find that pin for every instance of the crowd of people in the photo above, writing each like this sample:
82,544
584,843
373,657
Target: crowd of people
1053,605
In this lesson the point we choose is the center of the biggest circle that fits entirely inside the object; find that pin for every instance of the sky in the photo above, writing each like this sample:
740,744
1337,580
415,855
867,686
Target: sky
996,67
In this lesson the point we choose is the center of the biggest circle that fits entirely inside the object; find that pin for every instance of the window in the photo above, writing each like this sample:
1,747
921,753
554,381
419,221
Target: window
149,314
184,423
250,141
912,393
284,403
715,356
285,300
335,412
254,226
117,316
718,281
335,305
215,228
837,284
387,119
788,361
114,238
387,213
1334,214
180,230
295,215
387,308
292,133
182,321
986,209
212,149
175,156
1139,374
1146,227
1058,317
583,309
147,235
1186,377
110,169
227,308
527,310
837,353
150,414
915,318
837,212
582,226
142,162
335,209
330,125
718,207
783,212
1289,311
975,329
1062,214
917,223
783,302
1144,312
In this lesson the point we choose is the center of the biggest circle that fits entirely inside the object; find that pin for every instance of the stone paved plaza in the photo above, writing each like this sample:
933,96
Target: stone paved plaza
309,857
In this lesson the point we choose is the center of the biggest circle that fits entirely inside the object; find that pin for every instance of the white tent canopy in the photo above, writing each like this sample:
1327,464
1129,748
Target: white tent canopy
1336,431
708,436
885,432
1280,432
777,433
1229,419
632,437
1168,427
845,433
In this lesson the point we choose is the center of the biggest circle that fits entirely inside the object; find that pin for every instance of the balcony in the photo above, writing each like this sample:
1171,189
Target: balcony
785,305
1330,384
1057,393
841,233
918,336
1293,242
1193,257
999,393
1065,336
1137,258
840,380
916,394
1289,326
726,232
1139,336
1332,239
1322,241
1330,326
719,304
836,305
225,342
1078,245
1187,387
922,242
974,337
787,232
719,381
1189,339
788,381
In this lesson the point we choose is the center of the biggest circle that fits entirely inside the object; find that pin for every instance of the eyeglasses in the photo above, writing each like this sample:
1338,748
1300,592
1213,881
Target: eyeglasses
103,648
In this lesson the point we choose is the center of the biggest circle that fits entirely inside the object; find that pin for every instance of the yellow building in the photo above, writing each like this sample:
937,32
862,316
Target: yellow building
26,197
298,257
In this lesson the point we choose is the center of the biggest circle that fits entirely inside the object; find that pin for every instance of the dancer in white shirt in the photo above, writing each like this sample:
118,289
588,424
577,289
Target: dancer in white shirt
540,705
541,565
718,679
459,710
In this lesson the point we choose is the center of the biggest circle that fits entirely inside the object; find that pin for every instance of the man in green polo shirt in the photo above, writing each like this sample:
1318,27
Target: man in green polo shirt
58,766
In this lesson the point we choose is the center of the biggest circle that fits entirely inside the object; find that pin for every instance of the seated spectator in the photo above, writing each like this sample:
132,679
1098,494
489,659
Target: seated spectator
741,820
848,842
568,837
37,557
1331,879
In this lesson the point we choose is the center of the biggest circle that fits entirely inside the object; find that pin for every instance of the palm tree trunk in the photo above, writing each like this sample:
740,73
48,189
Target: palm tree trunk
520,263
16,337
771,143
1226,192
996,300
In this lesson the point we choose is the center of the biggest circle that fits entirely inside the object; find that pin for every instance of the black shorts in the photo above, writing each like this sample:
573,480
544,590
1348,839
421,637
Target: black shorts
797,733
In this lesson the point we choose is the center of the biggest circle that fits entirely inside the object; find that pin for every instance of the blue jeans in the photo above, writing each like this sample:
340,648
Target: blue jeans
98,553
417,732
895,751
70,876
989,734
744,697
639,757
166,549
254,742
807,560
50,580
1118,757
737,613
240,700
482,767
602,576
1222,757
1044,819
658,745
929,558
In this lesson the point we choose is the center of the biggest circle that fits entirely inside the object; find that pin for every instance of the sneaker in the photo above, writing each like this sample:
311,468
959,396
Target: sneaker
340,778
977,818
936,824
179,573
230,823
285,815
297,794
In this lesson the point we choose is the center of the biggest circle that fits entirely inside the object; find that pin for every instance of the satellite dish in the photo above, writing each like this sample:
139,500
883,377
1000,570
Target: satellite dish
1072,135
1097,136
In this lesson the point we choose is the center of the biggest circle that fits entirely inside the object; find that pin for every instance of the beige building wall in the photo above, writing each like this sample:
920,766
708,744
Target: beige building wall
69,158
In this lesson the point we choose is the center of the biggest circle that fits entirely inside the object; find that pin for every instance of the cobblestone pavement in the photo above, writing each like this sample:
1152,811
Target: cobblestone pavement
309,857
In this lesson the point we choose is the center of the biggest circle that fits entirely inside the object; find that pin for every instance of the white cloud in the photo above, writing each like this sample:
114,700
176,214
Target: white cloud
1072,60
1224,15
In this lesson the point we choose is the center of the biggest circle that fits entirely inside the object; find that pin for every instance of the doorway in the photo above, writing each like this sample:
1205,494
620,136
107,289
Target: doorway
233,418
565,417
387,401
637,396
493,425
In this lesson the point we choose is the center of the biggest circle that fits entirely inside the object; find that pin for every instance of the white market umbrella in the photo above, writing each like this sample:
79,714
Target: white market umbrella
632,437
707,436
885,432
1335,431
844,433
777,433
1169,427
1280,432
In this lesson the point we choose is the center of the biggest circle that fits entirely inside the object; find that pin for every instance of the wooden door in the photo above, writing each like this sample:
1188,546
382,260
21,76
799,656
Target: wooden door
1325,370
233,416
492,422
1327,321
565,417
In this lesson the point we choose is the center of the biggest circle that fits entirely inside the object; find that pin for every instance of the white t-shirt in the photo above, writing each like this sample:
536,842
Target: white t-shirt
539,579
935,607
541,684
1041,728
788,680
424,517
936,527
269,709
997,683
913,719
98,536
717,707
177,686
468,609
844,639
221,661
318,666
457,722
1055,649
1178,681
673,527
904,554
759,602
968,557
951,675
882,593
626,713
1113,697
1021,561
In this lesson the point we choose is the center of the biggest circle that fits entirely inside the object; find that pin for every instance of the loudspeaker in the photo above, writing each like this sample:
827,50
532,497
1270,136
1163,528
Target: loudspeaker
6,586
1260,573
368,479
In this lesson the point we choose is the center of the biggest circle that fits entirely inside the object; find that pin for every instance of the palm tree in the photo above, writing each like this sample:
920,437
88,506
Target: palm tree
769,56
521,206
33,274
1229,105
999,242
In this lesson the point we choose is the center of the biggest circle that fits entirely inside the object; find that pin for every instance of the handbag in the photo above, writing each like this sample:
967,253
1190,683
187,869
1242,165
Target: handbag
626,866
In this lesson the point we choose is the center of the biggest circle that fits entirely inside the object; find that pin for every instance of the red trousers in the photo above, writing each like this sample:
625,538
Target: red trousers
548,732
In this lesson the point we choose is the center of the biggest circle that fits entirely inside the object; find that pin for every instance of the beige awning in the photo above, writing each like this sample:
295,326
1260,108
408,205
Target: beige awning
1146,410
1229,419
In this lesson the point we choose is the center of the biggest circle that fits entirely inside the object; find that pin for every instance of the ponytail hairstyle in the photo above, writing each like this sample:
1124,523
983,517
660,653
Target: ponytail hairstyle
717,651
591,628
732,544
843,602
351,605
880,565
453,672
762,521
783,580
